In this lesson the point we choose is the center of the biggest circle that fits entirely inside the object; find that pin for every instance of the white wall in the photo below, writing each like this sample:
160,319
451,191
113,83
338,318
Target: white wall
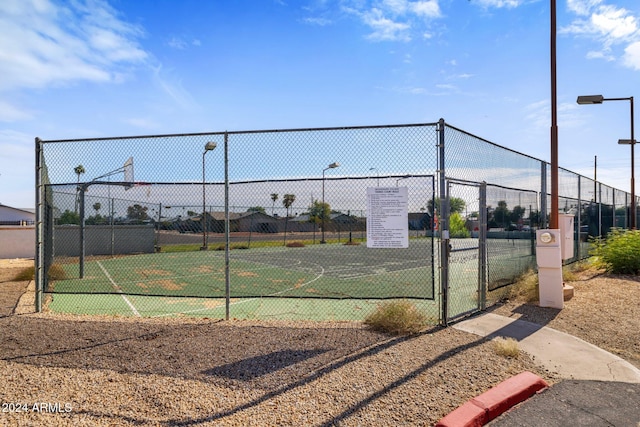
17,242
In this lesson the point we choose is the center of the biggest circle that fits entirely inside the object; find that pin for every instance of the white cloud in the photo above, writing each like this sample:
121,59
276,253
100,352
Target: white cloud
632,56
614,23
11,113
16,168
181,44
43,43
600,54
429,9
609,26
317,21
172,87
582,7
509,4
396,20
385,28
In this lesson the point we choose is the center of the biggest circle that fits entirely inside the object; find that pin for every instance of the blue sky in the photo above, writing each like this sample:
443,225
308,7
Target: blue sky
93,68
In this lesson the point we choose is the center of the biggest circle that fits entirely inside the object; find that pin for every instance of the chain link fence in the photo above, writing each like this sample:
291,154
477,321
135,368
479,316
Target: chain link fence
274,224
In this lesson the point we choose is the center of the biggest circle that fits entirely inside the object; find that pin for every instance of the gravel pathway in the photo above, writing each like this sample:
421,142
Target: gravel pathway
94,371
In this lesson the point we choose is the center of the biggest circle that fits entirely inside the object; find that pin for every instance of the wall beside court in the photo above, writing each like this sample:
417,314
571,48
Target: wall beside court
104,240
17,242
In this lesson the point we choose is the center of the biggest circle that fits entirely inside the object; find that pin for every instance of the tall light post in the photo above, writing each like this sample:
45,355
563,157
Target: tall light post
209,146
599,99
331,166
378,173
554,222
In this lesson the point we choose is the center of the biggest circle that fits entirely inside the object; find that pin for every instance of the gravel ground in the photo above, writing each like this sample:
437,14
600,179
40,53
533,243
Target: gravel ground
98,371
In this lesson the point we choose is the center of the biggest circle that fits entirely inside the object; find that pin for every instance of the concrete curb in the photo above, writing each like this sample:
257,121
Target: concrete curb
492,403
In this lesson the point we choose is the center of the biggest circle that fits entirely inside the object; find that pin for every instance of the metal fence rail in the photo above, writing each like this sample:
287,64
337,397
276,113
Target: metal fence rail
273,224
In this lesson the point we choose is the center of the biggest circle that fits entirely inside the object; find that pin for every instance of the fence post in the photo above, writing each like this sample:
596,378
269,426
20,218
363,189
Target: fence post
443,227
543,195
39,267
599,210
227,283
482,245
577,240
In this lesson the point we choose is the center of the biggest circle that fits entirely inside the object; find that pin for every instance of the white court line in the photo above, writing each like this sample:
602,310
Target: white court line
124,297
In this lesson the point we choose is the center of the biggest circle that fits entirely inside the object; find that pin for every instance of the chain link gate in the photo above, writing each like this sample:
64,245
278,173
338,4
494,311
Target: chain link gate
466,255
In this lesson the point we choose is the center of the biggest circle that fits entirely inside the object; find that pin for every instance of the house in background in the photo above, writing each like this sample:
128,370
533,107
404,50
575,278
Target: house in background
15,216
17,232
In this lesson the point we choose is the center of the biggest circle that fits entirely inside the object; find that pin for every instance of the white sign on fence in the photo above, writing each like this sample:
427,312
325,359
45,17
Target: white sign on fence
387,217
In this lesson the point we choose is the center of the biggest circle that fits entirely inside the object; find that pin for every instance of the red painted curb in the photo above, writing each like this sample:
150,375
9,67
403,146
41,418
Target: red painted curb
484,408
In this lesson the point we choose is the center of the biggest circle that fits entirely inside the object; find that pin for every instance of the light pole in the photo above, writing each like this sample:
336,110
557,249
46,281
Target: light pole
208,147
599,99
378,173
554,220
331,166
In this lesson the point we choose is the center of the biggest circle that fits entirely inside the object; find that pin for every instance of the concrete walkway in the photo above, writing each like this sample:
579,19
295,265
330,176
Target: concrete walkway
598,388
570,357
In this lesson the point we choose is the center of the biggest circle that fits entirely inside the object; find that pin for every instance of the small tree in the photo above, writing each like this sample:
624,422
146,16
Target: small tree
256,209
69,217
319,210
137,212
457,226
501,216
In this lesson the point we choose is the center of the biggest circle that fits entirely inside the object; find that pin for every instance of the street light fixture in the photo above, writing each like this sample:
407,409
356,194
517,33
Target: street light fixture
209,146
599,99
331,166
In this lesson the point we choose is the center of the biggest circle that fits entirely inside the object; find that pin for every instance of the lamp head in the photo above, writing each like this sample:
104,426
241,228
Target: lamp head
210,146
333,165
590,99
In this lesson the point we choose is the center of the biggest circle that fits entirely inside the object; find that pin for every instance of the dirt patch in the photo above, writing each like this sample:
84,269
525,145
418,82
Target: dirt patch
247,274
154,272
166,284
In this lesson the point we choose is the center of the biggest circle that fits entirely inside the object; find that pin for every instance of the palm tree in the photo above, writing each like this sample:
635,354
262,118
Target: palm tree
97,207
287,201
79,170
274,197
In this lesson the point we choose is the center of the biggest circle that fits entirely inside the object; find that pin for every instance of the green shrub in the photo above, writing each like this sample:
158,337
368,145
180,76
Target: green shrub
457,227
397,318
619,252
